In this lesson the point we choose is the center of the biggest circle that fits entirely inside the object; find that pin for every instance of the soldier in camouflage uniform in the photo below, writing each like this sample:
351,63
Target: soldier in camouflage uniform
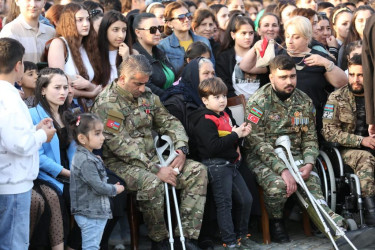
130,112
344,122
277,109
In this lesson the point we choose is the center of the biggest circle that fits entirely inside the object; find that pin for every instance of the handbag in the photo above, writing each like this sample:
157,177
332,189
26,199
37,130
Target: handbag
269,54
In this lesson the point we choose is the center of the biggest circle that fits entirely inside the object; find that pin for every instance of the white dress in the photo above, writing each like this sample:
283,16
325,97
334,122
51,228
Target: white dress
70,67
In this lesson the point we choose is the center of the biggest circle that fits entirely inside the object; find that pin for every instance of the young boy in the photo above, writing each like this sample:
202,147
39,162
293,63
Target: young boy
28,82
217,140
20,141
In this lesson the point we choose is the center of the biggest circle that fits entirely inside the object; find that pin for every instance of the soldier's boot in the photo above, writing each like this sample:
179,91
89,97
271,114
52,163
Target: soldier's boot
190,244
278,231
369,214
160,245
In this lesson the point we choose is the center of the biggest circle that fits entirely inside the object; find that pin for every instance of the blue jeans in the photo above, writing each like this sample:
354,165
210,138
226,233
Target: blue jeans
92,231
15,220
229,187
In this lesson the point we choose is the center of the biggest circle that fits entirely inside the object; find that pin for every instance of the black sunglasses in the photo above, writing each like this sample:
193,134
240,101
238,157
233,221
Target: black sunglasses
153,29
182,17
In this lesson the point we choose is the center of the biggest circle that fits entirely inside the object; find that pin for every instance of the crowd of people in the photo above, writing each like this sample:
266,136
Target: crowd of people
86,85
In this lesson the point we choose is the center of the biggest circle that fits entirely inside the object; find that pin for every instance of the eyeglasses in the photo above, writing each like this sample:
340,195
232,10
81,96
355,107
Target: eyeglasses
182,17
153,29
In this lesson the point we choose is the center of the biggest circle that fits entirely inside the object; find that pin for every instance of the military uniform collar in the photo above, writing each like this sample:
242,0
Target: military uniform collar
277,99
123,92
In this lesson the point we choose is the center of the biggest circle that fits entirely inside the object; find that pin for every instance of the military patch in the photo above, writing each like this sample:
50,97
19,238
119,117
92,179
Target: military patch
256,112
112,124
274,117
328,115
252,118
328,111
114,121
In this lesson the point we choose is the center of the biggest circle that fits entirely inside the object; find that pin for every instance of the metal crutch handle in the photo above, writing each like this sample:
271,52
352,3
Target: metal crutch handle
164,163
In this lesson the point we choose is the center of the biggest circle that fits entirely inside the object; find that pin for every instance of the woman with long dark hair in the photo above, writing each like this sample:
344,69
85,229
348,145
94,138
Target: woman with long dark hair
113,45
239,38
55,156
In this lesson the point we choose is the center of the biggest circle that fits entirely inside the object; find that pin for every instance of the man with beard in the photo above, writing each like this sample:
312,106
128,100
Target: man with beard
344,122
278,109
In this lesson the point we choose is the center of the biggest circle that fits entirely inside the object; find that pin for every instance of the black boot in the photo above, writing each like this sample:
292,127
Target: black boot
190,244
369,213
161,245
278,231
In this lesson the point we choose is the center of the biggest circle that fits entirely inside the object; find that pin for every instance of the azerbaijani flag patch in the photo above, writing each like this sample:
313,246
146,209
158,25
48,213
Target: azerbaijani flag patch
328,111
113,124
256,112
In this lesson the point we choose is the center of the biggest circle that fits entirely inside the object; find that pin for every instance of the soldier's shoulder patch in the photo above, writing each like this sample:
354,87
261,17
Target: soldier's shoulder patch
254,115
328,111
114,121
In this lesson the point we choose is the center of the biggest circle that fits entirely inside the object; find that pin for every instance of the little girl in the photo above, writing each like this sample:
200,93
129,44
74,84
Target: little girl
89,189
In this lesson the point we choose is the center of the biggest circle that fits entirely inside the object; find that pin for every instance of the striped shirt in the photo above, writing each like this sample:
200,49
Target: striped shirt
32,39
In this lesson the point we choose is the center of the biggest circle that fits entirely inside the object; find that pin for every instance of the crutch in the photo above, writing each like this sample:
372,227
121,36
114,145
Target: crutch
164,163
284,142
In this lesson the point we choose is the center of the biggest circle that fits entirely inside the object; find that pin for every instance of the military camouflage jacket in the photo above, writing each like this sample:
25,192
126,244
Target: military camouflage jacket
340,117
128,124
271,118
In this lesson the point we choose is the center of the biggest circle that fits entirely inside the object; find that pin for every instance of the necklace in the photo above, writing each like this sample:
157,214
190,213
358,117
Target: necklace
299,65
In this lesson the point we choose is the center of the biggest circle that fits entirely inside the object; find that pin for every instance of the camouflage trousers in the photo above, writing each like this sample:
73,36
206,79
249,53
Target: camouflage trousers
363,164
151,193
274,189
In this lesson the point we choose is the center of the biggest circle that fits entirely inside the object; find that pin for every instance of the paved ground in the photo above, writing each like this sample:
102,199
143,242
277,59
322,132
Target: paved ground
298,240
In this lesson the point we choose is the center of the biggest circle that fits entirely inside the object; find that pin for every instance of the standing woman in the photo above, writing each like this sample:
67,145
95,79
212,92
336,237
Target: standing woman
239,39
222,17
112,46
357,25
148,31
55,157
75,51
340,20
157,9
177,28
203,24
269,28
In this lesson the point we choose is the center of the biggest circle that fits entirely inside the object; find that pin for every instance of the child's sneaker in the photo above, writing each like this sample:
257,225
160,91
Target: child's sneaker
246,243
232,245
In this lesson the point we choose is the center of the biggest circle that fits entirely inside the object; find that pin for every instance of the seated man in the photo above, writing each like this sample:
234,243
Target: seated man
344,122
130,112
277,109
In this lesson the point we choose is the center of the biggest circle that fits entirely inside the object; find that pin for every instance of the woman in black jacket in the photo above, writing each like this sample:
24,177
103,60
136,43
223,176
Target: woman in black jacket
148,31
239,39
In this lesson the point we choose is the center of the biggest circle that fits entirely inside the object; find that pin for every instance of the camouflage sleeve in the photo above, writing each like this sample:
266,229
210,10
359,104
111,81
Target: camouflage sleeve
257,145
309,140
166,124
118,140
332,130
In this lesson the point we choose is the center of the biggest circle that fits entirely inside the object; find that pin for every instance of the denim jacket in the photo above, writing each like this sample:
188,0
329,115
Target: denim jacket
175,53
89,189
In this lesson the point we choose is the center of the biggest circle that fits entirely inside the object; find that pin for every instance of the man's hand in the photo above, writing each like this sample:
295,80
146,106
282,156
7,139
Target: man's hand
371,130
368,142
179,161
306,170
168,175
291,185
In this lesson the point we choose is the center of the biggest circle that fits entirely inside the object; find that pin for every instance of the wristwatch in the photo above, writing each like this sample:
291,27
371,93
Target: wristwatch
184,150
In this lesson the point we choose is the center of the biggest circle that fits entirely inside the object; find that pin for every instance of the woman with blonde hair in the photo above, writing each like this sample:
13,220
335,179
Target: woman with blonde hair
76,52
317,75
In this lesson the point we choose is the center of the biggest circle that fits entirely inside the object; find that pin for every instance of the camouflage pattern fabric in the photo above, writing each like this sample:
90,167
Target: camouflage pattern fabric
129,151
339,124
271,118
